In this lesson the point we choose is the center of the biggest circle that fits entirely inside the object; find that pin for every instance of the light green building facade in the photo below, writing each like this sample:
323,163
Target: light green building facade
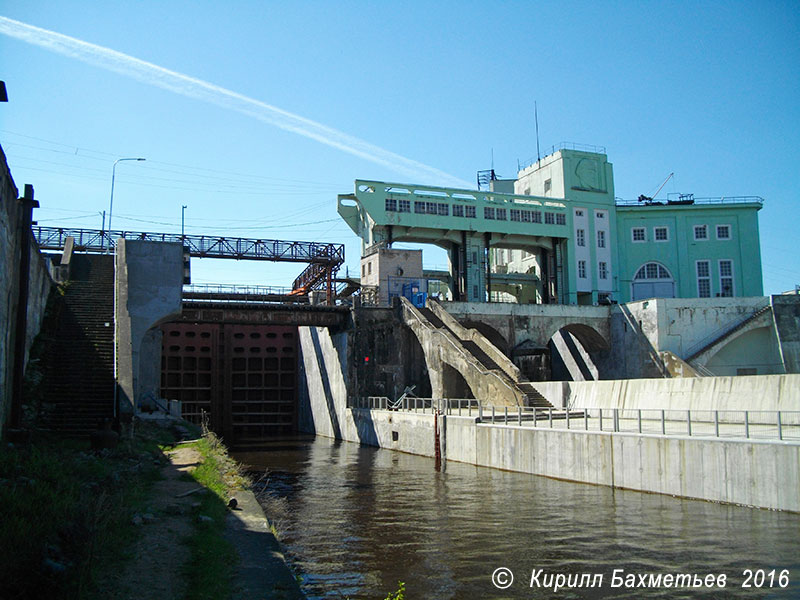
705,249
557,234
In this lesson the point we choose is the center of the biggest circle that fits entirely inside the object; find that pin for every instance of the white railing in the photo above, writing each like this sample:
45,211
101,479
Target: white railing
450,406
727,424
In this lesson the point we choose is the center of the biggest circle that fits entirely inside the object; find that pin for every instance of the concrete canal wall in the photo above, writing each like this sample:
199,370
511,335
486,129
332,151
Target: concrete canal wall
746,392
12,245
753,473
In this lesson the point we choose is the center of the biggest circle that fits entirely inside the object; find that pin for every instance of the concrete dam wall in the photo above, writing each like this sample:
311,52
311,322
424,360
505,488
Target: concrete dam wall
754,473
14,240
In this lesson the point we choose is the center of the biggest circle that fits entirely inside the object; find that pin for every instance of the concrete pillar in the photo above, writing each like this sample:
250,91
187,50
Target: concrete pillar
149,282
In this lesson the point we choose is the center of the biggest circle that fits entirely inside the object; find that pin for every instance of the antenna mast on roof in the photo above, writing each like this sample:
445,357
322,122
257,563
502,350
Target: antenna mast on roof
536,118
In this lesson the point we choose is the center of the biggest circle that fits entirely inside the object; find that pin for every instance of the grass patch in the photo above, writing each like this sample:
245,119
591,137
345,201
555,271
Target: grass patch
210,570
67,512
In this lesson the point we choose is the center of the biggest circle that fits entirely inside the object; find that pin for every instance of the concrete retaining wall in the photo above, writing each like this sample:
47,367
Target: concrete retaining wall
753,393
743,472
40,284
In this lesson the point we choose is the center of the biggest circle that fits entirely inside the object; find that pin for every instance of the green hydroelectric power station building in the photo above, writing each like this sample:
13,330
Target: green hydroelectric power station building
556,234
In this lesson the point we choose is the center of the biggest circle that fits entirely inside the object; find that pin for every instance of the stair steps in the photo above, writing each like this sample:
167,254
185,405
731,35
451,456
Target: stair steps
79,364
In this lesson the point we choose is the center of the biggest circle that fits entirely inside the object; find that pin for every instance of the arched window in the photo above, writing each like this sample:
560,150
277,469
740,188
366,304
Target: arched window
652,280
652,270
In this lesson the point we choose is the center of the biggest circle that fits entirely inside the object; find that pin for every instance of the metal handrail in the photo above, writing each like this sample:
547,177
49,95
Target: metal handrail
721,332
701,201
53,238
782,426
461,350
563,146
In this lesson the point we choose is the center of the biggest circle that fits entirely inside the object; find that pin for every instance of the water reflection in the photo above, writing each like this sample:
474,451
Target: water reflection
361,519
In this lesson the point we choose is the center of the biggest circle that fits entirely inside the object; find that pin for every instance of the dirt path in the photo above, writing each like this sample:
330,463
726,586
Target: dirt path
155,568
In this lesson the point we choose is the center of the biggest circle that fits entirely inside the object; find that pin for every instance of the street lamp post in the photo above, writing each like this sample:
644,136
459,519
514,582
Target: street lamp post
111,203
116,328
183,210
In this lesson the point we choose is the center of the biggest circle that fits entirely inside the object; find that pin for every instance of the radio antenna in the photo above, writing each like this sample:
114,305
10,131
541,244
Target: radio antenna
536,117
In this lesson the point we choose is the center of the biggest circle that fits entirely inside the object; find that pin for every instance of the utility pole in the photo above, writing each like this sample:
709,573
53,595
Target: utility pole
183,211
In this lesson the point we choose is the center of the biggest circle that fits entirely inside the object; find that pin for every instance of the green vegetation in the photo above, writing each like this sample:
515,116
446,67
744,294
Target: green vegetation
400,594
65,507
210,570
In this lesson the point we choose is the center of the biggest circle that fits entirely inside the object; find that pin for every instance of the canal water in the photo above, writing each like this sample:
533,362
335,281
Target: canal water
356,520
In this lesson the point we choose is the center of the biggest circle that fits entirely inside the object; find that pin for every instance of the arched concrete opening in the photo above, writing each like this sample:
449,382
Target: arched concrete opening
533,360
415,369
489,333
453,383
754,352
575,351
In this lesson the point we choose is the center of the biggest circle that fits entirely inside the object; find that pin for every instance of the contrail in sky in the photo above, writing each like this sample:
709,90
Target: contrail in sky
179,83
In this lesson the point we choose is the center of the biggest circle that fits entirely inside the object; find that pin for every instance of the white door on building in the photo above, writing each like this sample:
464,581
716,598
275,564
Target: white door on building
652,280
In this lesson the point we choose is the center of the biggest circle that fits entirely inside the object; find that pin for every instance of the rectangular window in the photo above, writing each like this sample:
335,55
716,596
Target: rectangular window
580,237
500,213
601,239
363,270
458,210
581,268
726,278
561,219
469,212
526,216
638,234
419,208
578,213
391,205
536,216
515,216
431,208
660,234
723,232
369,268
701,232
549,218
444,209
703,279
548,185
600,215
488,212
602,270
404,206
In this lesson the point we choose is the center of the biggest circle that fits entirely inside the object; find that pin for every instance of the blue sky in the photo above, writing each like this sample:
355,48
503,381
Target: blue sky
707,90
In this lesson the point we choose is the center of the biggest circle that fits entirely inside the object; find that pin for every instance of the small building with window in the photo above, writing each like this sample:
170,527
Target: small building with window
688,247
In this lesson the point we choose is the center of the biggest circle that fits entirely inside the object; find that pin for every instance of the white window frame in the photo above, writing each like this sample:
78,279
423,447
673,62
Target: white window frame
731,277
707,278
694,233
633,235
582,268
730,230
602,269
580,237
655,235
601,238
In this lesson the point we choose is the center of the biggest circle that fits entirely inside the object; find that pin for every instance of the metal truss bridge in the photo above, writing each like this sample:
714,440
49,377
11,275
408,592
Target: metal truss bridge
323,259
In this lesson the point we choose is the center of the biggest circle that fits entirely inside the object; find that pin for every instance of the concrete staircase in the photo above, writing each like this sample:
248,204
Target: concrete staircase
79,365
483,356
